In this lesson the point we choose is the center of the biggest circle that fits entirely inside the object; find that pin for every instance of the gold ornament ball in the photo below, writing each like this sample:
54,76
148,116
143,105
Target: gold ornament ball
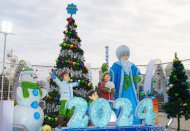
71,46
74,63
78,80
89,84
174,60
46,128
185,104
71,80
64,44
56,119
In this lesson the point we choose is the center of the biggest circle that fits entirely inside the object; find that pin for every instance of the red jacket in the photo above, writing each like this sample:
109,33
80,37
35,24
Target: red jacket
105,95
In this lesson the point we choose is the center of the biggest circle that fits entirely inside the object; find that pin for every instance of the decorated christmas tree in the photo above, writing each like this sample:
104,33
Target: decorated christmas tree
71,60
178,104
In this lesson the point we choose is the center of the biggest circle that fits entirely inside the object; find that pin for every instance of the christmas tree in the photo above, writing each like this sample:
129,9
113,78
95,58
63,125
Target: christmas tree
178,104
71,60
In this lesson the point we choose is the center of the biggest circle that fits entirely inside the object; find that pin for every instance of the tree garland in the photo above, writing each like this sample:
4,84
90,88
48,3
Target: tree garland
76,65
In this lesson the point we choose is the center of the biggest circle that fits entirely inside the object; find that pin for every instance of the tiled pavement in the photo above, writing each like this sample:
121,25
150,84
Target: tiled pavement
185,125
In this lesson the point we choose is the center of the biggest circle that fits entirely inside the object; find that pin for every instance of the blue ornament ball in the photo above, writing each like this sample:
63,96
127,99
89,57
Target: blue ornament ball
183,83
185,76
73,34
57,99
179,68
169,98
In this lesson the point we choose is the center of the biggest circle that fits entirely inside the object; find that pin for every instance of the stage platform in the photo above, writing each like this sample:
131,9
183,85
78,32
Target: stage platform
131,128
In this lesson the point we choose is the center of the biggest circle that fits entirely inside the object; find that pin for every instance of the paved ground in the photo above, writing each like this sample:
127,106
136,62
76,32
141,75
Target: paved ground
185,125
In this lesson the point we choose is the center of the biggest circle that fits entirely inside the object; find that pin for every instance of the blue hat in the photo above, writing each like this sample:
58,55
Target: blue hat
123,49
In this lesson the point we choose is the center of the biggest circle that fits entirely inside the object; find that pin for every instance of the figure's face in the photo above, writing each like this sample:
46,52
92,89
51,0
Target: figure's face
66,77
31,77
94,96
125,57
107,77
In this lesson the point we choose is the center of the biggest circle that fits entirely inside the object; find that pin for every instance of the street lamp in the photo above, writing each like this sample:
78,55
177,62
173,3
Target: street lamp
107,55
6,30
13,61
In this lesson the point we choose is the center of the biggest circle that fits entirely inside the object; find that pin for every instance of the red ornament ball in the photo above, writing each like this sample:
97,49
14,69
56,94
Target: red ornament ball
70,62
63,62
51,98
84,67
86,83
70,21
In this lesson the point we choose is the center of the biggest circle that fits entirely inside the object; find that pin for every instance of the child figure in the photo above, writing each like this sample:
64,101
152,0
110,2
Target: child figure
107,87
66,92
92,95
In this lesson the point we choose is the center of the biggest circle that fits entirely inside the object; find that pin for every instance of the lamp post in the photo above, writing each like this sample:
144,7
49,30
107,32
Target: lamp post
107,55
13,61
6,30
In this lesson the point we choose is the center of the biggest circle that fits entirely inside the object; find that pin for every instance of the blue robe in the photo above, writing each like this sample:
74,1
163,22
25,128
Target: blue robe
117,77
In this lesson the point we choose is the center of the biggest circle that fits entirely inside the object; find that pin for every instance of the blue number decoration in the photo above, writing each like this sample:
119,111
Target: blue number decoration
124,119
79,119
145,111
100,112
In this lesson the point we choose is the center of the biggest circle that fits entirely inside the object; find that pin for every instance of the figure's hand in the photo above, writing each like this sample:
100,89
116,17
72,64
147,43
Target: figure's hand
53,76
106,89
78,83
137,79
113,90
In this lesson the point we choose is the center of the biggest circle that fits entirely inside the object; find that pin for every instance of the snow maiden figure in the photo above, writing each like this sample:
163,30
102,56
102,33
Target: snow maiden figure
125,76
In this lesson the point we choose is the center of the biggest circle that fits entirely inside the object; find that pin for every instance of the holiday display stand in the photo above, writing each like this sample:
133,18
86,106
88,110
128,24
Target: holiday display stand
100,113
131,128
6,115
